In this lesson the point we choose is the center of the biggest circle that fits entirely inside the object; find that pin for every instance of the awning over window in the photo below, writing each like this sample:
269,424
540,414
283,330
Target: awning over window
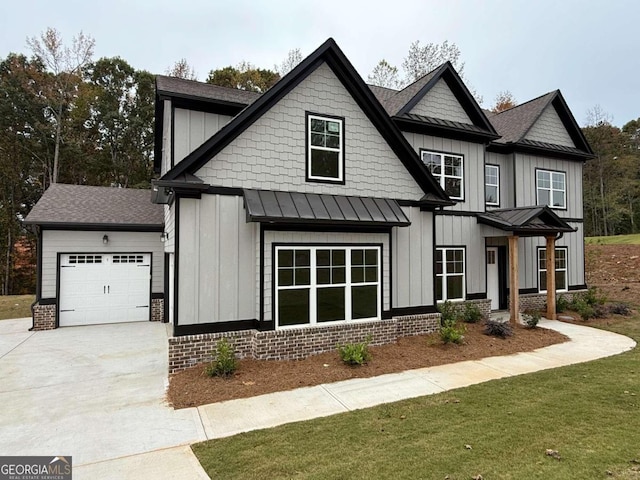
310,208
526,221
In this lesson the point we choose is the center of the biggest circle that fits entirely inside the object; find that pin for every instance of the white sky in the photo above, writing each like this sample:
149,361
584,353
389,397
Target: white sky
588,49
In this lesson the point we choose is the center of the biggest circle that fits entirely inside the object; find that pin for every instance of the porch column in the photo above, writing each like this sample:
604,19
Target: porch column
551,278
514,273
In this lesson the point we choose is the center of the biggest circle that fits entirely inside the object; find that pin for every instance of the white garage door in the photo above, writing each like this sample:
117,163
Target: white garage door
104,288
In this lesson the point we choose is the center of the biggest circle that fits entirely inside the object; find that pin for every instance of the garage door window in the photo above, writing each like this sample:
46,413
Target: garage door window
75,259
128,259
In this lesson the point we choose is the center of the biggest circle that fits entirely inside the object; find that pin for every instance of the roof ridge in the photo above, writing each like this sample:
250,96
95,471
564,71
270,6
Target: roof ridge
527,102
424,75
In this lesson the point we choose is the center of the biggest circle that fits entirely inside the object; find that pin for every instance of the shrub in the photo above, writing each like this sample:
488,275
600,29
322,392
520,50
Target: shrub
562,304
531,319
583,309
451,333
448,313
600,311
620,309
355,353
497,329
592,298
472,313
224,363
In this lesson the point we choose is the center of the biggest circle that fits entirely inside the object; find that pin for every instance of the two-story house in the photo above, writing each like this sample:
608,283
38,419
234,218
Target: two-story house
325,210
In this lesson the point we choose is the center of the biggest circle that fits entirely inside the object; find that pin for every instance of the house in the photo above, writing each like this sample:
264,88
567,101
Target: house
325,210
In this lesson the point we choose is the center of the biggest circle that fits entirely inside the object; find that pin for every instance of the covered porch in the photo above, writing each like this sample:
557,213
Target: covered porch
538,221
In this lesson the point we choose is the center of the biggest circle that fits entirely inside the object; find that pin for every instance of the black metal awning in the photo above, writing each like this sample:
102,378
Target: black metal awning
311,208
526,221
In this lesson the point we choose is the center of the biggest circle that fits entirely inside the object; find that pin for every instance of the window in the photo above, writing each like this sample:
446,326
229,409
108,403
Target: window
492,185
325,154
450,279
128,259
448,169
85,258
561,269
551,188
323,284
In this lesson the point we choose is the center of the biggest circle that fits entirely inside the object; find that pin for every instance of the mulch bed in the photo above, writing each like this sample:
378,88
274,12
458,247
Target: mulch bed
192,387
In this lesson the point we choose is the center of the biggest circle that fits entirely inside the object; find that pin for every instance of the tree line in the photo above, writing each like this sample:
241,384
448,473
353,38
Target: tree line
67,117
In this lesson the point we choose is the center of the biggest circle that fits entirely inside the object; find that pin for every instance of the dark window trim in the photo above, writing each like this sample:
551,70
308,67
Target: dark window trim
558,247
492,205
463,190
566,187
176,263
307,142
435,275
328,245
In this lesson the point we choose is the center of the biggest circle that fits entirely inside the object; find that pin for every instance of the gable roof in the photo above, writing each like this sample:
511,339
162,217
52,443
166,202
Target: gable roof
515,123
192,89
328,53
526,221
83,206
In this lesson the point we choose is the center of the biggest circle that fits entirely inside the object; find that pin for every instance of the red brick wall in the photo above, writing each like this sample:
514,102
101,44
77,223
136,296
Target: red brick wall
157,309
44,317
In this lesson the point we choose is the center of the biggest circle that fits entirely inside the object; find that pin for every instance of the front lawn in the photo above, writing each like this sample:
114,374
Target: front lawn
633,239
589,413
15,306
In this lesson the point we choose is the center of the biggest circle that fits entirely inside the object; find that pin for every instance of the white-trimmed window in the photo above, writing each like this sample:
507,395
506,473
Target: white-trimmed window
448,168
561,269
323,284
492,185
450,276
551,188
325,149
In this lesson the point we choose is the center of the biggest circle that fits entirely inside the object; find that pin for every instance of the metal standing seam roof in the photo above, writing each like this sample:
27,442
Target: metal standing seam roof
524,220
293,207
63,204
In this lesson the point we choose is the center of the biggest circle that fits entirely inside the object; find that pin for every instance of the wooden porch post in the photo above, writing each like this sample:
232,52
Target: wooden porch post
551,278
514,273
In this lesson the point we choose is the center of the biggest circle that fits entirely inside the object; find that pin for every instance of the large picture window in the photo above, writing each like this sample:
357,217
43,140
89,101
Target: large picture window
551,188
321,284
450,276
325,149
449,171
492,185
561,269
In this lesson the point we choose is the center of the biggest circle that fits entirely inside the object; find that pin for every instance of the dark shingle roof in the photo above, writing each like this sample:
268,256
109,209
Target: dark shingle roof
192,88
513,124
393,100
85,205
525,220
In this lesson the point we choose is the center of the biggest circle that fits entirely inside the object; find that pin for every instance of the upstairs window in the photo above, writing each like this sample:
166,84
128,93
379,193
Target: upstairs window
448,170
492,185
551,188
325,149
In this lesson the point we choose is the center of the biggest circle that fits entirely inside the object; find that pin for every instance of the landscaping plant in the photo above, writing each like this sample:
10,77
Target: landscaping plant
531,319
620,309
355,353
498,329
224,362
448,313
472,313
562,304
451,333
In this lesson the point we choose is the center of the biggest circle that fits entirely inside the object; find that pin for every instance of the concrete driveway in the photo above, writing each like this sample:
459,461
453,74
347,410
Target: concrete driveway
95,392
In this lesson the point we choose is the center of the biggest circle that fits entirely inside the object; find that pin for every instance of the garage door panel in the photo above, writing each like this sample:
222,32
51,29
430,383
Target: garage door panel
106,288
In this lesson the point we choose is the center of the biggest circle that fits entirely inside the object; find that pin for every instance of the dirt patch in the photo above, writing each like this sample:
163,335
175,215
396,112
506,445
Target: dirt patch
256,377
614,270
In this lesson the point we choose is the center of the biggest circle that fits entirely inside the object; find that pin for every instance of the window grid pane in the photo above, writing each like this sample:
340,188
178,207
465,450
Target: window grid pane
561,269
325,148
551,188
448,169
450,274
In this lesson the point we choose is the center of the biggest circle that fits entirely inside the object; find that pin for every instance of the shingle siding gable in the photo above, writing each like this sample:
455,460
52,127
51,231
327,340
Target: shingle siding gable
550,129
440,102
270,154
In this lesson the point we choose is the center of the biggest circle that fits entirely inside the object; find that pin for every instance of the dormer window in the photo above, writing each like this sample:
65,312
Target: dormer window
448,169
325,148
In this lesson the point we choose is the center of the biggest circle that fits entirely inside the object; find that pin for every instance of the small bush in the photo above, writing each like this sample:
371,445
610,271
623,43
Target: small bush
497,329
472,313
451,333
620,309
355,353
449,313
592,298
600,311
531,319
224,363
582,308
562,304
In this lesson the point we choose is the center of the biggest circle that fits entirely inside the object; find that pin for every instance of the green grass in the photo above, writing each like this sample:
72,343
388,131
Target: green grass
15,306
589,413
614,240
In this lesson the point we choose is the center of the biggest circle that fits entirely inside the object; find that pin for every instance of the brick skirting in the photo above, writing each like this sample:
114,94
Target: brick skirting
298,343
157,309
44,317
538,301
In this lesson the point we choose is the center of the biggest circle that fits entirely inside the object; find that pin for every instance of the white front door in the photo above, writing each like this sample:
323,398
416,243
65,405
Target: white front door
104,288
493,283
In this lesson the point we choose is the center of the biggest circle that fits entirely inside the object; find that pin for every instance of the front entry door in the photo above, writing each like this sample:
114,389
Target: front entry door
493,278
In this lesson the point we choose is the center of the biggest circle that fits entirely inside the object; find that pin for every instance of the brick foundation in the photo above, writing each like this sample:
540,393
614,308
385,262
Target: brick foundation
44,317
157,309
538,301
296,343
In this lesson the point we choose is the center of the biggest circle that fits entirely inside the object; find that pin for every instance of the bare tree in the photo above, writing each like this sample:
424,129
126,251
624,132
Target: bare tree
294,57
182,69
67,65
385,75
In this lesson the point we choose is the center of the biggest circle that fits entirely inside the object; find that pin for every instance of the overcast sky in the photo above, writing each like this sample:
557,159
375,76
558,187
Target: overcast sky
588,49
